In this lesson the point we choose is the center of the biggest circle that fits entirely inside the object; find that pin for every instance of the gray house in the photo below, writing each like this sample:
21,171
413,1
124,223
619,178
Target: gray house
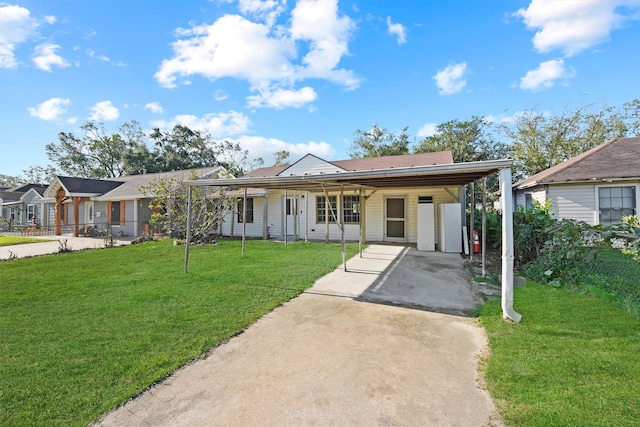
25,206
598,186
81,204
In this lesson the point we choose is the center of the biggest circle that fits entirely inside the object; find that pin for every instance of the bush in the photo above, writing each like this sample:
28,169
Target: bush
531,231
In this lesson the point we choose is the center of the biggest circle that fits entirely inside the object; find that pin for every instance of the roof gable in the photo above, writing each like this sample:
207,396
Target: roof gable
310,164
87,186
615,159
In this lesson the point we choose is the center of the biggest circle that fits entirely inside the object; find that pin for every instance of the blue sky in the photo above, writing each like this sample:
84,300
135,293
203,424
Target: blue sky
302,76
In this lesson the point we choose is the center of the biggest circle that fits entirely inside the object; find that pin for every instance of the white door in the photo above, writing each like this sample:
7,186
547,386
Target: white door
290,210
395,219
89,213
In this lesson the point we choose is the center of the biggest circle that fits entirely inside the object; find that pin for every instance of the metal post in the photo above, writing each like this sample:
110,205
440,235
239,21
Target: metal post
472,219
286,200
361,220
188,233
306,216
484,227
244,219
506,201
294,208
341,207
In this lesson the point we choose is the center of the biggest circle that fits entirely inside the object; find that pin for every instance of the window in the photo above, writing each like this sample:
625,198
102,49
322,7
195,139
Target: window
528,201
249,210
322,212
351,209
31,212
616,202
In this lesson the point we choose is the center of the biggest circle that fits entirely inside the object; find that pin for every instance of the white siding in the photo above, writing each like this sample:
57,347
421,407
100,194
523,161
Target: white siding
310,165
538,194
576,201
254,229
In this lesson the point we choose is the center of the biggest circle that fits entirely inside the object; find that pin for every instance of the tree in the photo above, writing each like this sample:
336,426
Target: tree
40,174
540,141
378,141
468,141
282,158
97,154
169,205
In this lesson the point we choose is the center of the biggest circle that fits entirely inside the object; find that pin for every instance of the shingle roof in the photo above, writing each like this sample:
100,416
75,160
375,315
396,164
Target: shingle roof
87,185
617,158
131,184
372,163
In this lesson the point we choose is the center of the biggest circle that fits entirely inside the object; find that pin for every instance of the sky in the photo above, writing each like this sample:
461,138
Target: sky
302,76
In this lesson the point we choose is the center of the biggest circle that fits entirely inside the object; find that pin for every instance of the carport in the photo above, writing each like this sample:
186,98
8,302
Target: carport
368,182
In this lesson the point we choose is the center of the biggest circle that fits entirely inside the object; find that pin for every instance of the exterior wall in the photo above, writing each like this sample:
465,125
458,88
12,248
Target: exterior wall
254,229
574,201
309,228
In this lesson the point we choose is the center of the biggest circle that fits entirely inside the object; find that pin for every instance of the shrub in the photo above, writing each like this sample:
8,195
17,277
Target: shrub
531,231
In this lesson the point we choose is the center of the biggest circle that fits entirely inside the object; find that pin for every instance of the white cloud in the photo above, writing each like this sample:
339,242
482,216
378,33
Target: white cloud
261,147
219,125
573,26
451,80
428,129
263,54
154,107
45,56
281,98
92,54
16,26
220,95
546,75
51,109
50,19
104,111
398,30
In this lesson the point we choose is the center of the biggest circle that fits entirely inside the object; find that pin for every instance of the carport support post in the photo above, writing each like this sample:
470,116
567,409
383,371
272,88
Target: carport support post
484,227
188,234
360,230
344,253
507,246
285,217
472,219
244,218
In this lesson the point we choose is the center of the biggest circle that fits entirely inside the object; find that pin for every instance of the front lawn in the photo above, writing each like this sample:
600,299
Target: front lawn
18,240
83,332
574,360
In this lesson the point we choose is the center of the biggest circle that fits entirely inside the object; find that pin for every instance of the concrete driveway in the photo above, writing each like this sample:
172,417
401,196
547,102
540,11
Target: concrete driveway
332,358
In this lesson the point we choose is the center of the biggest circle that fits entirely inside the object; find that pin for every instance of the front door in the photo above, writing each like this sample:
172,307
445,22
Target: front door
395,219
89,213
290,210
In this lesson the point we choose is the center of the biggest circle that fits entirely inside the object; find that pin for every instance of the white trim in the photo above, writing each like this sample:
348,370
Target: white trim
597,187
405,220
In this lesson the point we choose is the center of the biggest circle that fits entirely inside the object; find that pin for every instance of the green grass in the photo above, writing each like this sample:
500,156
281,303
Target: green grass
574,360
83,332
18,240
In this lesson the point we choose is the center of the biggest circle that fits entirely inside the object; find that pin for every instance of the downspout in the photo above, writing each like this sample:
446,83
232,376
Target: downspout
265,216
285,217
472,218
484,227
507,246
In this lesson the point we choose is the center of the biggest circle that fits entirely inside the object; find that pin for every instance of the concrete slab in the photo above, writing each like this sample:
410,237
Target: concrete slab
327,358
404,276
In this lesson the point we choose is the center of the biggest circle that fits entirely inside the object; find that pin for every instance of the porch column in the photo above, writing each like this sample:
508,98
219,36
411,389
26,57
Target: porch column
135,217
58,216
76,216
507,246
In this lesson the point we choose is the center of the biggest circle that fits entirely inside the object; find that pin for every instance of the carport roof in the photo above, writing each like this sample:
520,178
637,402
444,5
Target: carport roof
453,174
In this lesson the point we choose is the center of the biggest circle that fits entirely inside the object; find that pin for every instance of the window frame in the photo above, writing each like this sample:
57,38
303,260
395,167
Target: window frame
634,197
31,212
239,218
321,209
348,213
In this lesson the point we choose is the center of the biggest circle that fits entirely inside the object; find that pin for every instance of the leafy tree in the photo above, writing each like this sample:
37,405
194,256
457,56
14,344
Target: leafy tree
378,141
40,174
169,203
540,141
10,181
468,141
282,158
97,154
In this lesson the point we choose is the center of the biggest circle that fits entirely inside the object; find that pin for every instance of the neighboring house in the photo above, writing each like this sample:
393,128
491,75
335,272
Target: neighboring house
392,214
83,203
25,206
598,186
